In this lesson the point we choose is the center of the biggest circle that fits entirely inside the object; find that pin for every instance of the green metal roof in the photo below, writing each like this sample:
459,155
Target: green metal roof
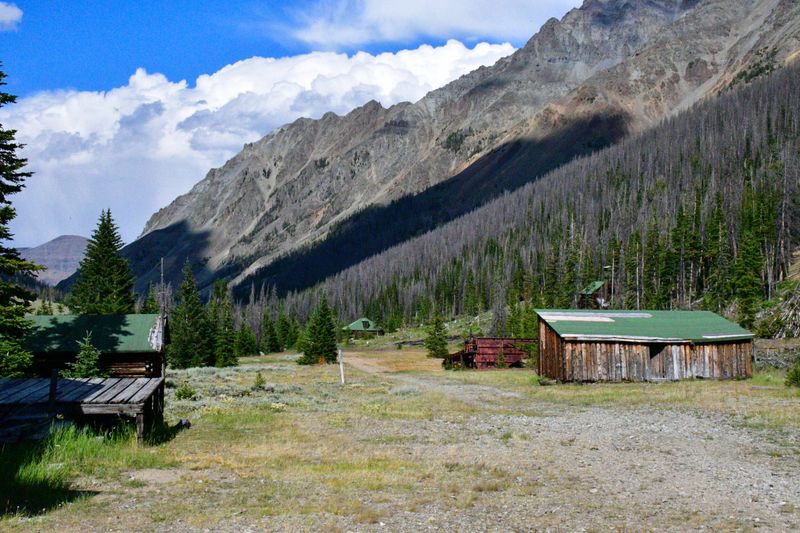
110,333
643,326
593,287
363,324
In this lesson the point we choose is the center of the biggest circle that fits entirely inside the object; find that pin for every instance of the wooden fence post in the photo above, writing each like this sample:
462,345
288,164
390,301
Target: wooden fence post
341,365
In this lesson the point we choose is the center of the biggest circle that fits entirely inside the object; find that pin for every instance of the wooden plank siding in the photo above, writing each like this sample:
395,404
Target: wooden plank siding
118,365
571,360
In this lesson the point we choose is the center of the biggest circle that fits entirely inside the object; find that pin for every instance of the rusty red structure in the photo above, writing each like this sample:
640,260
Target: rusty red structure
484,352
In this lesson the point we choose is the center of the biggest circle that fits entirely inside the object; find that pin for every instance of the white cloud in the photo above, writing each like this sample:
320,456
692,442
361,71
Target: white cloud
357,22
135,148
10,15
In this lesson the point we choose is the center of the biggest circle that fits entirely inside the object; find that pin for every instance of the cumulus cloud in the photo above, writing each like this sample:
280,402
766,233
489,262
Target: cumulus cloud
10,15
135,148
357,22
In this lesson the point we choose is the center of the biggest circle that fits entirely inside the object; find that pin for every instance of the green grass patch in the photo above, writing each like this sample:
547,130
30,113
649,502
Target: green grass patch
769,378
37,477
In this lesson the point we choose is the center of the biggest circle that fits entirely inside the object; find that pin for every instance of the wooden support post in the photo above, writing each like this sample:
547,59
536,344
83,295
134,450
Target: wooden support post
51,397
160,404
140,426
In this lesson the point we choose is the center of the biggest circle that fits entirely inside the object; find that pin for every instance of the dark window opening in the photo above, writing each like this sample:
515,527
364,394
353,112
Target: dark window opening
656,349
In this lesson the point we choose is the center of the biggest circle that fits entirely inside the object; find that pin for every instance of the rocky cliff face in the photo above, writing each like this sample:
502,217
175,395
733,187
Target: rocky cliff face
61,256
605,69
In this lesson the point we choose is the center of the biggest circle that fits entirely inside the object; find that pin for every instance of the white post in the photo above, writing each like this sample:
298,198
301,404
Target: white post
341,365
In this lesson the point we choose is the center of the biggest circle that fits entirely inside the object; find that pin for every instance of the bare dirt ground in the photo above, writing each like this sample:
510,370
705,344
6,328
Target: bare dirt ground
405,446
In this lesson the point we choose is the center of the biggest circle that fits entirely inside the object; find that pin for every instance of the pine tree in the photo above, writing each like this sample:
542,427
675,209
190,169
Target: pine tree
746,281
716,260
651,266
295,331
284,331
301,344
87,363
326,340
218,292
436,341
631,298
150,305
269,336
499,316
14,299
321,337
105,282
224,347
471,298
246,342
191,342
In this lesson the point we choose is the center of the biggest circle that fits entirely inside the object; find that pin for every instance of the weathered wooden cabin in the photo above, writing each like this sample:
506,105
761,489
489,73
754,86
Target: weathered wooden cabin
131,346
484,352
594,296
586,345
364,327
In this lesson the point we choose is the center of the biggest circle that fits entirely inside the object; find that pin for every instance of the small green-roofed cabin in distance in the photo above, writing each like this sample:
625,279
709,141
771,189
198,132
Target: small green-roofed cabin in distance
591,345
130,345
594,296
364,327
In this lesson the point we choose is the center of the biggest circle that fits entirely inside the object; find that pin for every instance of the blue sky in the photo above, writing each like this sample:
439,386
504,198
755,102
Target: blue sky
109,121
97,45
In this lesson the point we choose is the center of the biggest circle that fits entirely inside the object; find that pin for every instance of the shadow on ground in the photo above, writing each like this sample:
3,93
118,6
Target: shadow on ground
27,486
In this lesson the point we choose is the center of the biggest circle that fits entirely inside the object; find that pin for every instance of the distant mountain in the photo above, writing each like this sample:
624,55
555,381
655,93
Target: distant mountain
61,256
317,196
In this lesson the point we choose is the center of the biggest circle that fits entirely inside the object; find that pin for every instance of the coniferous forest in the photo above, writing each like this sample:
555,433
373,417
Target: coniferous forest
698,212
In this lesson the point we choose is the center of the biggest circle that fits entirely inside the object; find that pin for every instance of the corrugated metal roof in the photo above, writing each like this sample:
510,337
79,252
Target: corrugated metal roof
643,326
110,333
363,324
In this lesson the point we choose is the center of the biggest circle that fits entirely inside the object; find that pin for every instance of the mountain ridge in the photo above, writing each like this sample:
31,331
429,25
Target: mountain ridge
61,256
609,58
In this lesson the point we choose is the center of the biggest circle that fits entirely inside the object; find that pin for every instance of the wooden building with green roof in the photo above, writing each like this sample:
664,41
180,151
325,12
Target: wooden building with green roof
130,345
363,327
588,345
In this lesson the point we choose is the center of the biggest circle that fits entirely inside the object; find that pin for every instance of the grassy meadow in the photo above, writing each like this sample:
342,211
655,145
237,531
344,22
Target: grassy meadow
403,444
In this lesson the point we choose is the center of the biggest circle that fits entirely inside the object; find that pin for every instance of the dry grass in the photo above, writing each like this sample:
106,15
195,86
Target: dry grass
405,360
303,452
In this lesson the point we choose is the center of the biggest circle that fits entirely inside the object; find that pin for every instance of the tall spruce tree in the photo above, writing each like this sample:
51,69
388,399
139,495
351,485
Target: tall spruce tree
14,299
320,344
150,304
218,291
284,330
436,341
246,343
269,335
224,348
191,342
105,282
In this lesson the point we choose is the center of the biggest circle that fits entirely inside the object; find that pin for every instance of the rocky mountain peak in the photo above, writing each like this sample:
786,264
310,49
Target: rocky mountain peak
582,82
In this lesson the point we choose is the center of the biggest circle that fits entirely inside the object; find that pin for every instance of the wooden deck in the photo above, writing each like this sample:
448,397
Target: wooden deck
138,398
